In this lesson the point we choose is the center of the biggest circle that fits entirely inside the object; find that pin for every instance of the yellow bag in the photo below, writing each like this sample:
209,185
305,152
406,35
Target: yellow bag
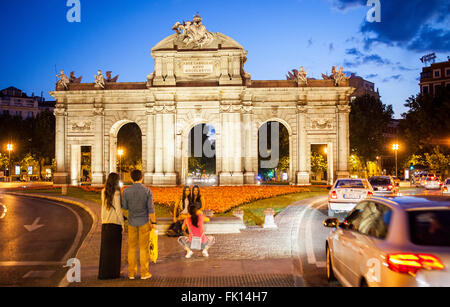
153,245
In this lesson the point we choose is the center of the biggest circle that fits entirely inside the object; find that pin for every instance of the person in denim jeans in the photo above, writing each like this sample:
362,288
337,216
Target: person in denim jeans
138,200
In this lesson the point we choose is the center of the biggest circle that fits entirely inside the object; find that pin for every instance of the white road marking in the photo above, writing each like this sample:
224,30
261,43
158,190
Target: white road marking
308,237
34,226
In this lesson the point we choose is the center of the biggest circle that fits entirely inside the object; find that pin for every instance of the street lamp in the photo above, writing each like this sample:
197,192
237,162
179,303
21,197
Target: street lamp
9,148
395,149
120,153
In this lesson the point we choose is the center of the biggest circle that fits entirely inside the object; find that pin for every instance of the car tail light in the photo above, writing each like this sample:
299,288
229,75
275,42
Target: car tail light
333,195
408,263
369,193
390,187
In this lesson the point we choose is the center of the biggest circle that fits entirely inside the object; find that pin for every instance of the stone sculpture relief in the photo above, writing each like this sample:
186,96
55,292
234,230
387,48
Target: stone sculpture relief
99,80
193,33
63,80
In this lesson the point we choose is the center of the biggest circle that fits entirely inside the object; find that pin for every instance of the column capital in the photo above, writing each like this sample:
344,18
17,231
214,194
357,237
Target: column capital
98,111
164,109
60,112
302,109
343,109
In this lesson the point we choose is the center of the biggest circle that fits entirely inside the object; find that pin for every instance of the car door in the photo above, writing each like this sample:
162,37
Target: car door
372,229
343,242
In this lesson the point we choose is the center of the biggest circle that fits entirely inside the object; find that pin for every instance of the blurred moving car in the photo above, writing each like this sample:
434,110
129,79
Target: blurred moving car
399,241
432,183
446,187
346,193
383,185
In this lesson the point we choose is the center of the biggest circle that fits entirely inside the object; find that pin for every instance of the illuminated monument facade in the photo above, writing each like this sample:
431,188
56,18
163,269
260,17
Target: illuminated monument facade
199,77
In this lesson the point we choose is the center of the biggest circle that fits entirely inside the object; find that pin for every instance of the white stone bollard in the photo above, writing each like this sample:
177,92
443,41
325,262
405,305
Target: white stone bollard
269,221
239,213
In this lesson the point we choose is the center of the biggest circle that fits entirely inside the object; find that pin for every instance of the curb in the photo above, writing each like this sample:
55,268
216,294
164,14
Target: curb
64,282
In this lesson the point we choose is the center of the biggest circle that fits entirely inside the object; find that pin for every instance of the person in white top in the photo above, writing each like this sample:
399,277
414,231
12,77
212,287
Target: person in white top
112,227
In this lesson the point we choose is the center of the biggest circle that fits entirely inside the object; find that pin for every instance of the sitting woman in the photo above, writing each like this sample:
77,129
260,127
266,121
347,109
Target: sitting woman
194,223
180,211
197,198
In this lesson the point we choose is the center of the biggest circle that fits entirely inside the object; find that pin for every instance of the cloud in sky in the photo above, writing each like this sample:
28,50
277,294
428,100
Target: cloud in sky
391,78
361,58
416,25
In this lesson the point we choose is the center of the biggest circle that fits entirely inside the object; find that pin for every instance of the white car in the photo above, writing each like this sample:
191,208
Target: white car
390,242
432,183
346,193
446,187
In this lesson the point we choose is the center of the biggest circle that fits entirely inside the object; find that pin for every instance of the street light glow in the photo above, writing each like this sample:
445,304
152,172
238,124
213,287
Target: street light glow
395,146
120,152
9,147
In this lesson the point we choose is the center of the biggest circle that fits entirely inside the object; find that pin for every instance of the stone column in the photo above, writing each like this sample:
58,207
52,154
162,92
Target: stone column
75,164
303,173
343,141
250,174
237,144
150,159
98,174
159,167
61,175
165,146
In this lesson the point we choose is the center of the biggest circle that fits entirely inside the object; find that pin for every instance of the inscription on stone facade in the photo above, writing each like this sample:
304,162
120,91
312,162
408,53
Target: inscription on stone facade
198,67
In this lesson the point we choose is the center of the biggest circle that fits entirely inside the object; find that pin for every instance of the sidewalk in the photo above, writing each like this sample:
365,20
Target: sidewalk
254,257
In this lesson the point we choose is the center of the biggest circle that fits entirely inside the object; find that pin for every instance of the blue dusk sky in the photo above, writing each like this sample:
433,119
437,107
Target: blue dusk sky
279,35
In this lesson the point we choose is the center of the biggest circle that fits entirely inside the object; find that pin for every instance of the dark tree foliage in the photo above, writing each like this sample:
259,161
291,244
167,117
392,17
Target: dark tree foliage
426,124
32,135
283,146
368,118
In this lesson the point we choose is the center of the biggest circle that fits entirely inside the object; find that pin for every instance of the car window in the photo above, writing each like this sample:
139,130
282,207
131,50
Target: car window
380,181
354,217
346,183
430,227
375,220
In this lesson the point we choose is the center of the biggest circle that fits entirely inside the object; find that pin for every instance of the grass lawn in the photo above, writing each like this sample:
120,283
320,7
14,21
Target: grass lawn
253,212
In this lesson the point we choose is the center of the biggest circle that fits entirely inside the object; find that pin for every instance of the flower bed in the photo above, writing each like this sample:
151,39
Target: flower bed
219,199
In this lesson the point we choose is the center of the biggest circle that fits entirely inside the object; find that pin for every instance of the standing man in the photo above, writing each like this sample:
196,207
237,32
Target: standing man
138,200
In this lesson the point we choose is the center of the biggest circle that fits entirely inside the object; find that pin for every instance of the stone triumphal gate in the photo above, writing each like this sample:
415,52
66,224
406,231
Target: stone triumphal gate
199,77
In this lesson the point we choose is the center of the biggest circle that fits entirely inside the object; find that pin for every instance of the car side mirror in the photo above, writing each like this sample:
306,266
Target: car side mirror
331,223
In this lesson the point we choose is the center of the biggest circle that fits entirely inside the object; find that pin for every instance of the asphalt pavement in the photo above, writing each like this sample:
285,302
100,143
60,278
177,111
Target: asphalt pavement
37,238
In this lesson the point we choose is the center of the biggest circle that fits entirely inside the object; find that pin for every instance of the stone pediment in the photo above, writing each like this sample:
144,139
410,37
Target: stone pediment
195,55
219,41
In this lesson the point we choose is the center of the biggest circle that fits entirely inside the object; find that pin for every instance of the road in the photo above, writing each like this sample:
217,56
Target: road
37,238
312,236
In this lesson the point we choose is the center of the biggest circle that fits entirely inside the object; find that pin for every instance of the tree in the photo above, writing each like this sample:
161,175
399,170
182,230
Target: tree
43,139
318,163
368,117
426,123
437,161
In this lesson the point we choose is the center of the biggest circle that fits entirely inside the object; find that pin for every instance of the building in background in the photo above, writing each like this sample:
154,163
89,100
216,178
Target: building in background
16,103
362,87
434,77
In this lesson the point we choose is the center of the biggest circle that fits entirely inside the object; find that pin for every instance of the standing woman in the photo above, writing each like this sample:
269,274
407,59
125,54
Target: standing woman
197,199
112,227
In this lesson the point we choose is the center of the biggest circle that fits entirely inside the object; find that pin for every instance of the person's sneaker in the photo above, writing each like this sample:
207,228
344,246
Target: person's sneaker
131,277
189,254
205,253
146,276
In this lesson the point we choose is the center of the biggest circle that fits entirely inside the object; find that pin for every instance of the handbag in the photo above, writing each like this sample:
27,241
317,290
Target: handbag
196,243
175,229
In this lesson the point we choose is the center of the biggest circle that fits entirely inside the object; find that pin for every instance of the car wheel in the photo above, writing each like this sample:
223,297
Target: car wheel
330,274
330,213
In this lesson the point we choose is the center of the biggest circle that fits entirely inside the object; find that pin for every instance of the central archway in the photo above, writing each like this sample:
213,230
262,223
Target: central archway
200,160
274,153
